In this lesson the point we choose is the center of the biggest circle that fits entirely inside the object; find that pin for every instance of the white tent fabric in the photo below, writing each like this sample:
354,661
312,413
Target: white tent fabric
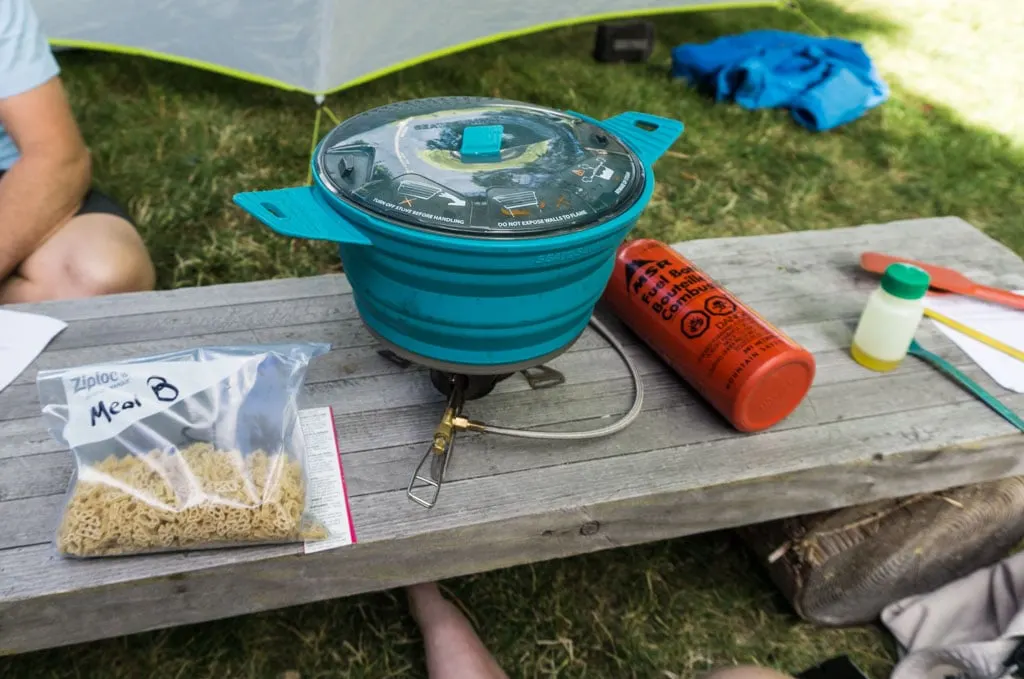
319,46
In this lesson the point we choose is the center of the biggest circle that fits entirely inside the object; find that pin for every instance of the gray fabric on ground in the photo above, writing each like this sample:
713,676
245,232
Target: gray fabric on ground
965,629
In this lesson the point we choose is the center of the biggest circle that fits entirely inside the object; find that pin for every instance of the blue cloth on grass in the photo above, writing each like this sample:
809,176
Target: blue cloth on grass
825,82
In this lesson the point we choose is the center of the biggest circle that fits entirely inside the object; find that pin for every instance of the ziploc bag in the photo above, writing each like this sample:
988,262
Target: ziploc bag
191,449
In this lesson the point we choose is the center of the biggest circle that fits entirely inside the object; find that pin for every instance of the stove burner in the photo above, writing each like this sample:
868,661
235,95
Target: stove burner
473,386
458,387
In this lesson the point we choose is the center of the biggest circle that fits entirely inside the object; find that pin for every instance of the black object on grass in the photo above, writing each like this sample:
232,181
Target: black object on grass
629,41
835,668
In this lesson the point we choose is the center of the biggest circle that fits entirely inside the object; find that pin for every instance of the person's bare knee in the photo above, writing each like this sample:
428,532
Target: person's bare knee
93,254
115,267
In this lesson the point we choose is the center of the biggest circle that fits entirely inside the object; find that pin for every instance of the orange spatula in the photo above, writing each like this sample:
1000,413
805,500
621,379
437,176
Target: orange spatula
945,279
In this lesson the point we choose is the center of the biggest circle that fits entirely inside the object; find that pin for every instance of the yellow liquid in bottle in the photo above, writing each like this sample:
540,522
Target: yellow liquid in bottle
872,363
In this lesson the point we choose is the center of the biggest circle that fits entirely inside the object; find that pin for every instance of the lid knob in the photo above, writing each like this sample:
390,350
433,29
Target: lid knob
481,143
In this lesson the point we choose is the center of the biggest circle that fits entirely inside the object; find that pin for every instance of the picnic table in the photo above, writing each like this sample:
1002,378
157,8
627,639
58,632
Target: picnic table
678,470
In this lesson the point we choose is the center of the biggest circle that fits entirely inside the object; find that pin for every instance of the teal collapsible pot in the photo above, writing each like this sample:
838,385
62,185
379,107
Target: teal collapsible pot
477,233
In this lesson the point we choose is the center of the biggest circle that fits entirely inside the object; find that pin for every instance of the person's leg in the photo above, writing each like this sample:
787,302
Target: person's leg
453,649
97,252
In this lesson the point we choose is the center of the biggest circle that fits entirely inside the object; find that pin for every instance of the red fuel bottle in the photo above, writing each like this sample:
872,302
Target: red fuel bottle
746,368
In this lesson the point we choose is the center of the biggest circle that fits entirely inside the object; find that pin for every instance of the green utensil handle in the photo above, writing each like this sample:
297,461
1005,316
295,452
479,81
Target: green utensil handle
972,386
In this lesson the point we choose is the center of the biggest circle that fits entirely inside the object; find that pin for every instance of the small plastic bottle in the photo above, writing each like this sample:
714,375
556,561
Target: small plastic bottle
890,318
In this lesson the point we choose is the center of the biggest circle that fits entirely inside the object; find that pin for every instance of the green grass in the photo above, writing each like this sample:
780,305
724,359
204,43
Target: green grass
673,609
928,56
174,144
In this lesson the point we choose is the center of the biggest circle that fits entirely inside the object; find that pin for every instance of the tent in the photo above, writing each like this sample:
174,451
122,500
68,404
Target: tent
321,46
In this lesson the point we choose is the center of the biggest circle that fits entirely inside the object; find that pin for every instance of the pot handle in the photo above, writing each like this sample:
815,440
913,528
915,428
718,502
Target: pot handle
300,213
649,136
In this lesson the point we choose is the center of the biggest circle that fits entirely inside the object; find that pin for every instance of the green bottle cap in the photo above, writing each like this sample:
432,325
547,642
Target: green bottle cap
905,281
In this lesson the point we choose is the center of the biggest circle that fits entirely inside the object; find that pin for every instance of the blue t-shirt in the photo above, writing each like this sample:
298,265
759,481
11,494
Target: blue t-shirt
26,61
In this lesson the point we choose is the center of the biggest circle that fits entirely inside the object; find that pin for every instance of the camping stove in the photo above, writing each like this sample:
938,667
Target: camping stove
458,388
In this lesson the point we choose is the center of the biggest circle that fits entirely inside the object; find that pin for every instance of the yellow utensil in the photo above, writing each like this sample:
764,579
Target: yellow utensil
971,332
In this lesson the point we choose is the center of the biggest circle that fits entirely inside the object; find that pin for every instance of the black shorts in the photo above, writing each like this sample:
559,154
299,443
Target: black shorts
97,202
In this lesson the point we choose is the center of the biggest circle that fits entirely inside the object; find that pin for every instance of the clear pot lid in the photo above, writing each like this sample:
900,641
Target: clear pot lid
480,167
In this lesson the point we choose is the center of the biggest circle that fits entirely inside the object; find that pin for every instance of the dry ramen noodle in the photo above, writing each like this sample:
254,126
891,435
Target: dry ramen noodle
197,497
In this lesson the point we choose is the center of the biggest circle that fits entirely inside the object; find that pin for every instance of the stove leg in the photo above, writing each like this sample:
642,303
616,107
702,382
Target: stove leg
394,358
543,377
474,386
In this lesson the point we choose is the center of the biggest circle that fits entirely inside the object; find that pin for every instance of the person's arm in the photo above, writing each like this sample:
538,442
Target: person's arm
45,185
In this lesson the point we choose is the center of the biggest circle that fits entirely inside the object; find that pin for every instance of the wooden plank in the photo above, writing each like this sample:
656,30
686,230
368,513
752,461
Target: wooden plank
408,428
356,369
206,320
784,450
930,238
787,448
30,521
353,350
184,299
839,383
54,473
858,436
814,293
24,437
673,416
73,615
20,400
25,477
664,426
843,391
912,234
24,401
844,266
741,273
56,359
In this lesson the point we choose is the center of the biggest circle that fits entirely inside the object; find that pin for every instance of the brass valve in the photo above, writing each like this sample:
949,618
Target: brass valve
445,432
441,447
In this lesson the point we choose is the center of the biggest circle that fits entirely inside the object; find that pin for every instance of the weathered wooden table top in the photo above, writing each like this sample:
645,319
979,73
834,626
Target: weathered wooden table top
679,469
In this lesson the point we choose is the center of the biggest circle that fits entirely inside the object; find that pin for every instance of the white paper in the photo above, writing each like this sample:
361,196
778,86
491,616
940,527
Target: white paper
996,321
328,496
23,337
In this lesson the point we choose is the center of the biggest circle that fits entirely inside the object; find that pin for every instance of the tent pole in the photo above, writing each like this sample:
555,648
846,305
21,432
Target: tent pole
319,100
330,114
321,108
794,7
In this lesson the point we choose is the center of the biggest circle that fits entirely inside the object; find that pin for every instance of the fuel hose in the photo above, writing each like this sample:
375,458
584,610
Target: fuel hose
465,424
